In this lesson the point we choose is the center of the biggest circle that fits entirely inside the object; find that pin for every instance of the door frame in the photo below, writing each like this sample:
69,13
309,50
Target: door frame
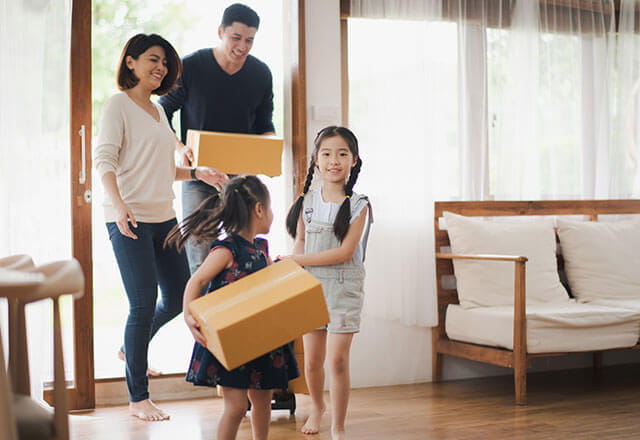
81,394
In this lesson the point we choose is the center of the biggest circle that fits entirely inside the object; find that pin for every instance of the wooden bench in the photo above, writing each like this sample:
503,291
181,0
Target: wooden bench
517,359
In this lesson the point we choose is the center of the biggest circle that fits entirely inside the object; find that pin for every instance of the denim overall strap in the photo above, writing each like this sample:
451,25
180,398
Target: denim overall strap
320,236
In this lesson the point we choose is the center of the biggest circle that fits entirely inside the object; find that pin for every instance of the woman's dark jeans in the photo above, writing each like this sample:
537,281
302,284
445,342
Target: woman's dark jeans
193,194
144,265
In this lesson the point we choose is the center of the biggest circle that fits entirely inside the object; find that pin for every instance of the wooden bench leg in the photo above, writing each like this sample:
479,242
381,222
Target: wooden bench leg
597,366
520,381
597,360
436,358
436,366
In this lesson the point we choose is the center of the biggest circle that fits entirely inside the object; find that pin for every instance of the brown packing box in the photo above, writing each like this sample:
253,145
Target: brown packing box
260,312
299,384
235,153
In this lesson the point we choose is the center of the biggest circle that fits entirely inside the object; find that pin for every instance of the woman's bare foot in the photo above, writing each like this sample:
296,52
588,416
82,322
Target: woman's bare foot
312,425
337,435
150,371
146,410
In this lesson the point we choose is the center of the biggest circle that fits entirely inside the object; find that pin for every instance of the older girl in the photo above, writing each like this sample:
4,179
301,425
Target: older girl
328,224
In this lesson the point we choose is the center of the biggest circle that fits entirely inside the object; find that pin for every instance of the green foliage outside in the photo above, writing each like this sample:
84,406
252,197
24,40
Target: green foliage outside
114,22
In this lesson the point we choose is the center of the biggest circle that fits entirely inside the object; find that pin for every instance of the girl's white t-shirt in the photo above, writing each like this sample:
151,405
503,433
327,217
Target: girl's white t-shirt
140,151
327,211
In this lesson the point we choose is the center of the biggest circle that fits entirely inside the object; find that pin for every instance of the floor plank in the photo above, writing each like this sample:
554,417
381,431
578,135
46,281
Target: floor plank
567,405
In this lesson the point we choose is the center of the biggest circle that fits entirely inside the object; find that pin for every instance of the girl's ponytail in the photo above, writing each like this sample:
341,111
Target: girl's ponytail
294,212
343,217
228,211
205,223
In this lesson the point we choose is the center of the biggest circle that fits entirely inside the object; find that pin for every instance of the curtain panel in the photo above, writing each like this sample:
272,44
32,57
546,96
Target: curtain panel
478,100
34,153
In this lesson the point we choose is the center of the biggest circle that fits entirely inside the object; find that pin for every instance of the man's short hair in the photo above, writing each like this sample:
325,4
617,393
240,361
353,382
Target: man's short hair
240,13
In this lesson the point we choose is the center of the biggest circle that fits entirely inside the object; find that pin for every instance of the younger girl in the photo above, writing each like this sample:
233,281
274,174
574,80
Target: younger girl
242,210
327,225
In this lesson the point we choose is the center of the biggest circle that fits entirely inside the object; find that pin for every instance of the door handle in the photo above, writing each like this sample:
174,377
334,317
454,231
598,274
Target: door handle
83,142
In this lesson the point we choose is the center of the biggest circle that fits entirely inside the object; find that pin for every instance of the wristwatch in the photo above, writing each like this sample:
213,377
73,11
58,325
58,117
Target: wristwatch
193,174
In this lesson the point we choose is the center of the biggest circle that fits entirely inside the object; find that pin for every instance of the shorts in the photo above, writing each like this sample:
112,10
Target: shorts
344,295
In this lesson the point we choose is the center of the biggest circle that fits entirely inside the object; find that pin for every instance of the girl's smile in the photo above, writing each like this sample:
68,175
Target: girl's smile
335,159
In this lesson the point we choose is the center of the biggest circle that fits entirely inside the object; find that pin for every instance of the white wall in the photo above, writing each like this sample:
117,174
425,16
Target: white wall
385,352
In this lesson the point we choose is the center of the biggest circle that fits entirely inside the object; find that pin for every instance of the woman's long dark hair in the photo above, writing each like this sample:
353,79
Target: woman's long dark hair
228,211
343,218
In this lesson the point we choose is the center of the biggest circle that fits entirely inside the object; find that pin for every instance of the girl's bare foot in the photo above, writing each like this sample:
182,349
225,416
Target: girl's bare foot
312,425
150,371
146,410
337,435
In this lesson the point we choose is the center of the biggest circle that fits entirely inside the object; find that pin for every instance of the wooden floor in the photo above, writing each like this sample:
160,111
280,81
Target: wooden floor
568,405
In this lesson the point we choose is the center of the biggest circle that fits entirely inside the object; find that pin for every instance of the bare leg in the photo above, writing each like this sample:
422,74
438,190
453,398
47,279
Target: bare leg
146,410
315,344
340,382
260,413
235,407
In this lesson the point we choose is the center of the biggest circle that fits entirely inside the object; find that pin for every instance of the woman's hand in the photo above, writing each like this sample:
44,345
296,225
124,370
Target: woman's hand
186,154
124,215
212,177
194,327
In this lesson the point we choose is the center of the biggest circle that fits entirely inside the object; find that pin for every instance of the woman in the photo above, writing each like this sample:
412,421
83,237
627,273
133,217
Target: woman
135,159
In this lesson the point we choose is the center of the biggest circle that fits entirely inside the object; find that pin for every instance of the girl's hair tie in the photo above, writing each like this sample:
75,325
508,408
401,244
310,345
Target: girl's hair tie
219,195
302,194
347,197
235,190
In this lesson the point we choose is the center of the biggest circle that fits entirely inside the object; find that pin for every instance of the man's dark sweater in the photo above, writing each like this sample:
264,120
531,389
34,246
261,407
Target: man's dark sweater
212,100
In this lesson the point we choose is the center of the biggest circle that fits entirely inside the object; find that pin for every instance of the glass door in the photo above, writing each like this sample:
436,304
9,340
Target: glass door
189,25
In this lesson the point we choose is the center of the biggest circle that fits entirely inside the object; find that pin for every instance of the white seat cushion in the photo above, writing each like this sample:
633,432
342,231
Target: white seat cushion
570,327
491,283
602,259
629,304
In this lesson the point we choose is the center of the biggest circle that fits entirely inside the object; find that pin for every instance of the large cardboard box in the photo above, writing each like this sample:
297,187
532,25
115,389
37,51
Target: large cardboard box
235,153
299,384
260,312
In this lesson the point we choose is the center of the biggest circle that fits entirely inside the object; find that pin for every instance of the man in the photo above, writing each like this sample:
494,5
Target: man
221,89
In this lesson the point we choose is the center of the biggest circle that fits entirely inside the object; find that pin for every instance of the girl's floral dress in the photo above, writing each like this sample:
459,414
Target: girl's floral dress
270,371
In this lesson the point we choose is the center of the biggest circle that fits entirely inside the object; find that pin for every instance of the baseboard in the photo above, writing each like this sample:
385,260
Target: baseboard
170,387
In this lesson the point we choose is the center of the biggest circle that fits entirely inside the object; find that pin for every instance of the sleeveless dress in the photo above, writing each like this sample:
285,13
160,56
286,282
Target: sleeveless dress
270,371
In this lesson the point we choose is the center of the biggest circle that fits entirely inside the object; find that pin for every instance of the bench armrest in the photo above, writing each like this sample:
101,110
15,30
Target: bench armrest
486,257
519,295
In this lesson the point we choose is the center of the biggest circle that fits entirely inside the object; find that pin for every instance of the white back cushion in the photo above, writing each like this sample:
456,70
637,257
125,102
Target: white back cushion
602,259
491,283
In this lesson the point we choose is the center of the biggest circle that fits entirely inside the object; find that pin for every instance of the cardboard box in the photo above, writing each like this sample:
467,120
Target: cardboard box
260,312
299,384
235,153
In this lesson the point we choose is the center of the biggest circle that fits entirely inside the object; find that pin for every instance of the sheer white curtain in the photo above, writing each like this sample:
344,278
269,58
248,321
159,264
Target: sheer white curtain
550,81
34,149
470,100
622,179
403,92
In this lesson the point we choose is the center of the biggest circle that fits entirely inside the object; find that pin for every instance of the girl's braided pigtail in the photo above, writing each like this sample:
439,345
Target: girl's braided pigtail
343,218
294,211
